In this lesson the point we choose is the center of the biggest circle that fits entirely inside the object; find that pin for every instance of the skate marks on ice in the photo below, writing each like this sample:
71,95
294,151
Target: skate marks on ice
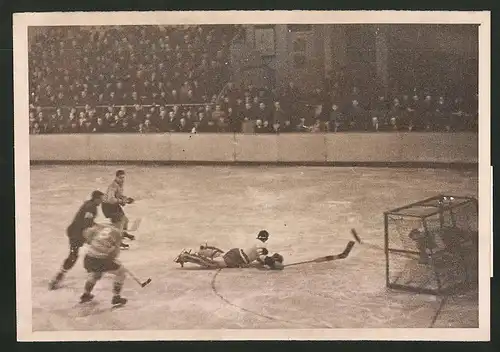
308,217
61,309
313,296
283,301
264,313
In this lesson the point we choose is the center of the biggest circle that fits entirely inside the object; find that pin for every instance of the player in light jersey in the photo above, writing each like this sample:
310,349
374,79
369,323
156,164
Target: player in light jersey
115,200
104,247
213,257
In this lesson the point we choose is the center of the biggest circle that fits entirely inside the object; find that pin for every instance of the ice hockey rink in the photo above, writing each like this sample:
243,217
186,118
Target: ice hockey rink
308,211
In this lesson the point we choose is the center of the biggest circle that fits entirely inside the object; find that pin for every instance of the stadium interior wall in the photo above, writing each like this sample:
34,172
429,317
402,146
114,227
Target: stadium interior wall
371,149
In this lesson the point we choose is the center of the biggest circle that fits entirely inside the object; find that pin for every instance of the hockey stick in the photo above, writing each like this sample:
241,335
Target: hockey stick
134,227
142,284
328,258
354,233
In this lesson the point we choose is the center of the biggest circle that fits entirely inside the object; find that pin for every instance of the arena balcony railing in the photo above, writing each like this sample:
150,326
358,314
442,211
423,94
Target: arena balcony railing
180,105
119,105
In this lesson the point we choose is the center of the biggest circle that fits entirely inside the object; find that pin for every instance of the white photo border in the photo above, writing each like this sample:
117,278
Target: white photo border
22,167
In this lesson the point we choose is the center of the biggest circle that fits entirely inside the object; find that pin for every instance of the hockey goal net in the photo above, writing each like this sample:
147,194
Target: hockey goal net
431,245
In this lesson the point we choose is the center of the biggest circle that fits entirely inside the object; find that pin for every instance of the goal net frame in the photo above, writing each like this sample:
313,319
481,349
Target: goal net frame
439,207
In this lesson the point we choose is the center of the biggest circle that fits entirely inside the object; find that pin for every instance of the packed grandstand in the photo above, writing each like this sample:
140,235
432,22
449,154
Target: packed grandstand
157,79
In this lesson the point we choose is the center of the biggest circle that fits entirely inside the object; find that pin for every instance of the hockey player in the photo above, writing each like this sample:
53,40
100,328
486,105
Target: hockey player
215,258
424,243
83,219
104,247
115,200
450,239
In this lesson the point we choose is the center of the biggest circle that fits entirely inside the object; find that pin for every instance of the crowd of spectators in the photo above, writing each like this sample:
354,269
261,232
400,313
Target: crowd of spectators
174,79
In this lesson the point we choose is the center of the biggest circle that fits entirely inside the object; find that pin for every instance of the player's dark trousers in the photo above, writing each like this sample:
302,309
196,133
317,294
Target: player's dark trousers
233,258
110,210
96,267
76,241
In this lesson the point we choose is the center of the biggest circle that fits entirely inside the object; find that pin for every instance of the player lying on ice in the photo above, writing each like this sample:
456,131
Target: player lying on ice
214,258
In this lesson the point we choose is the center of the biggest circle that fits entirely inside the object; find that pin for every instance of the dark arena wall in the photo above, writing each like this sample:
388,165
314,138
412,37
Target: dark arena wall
393,57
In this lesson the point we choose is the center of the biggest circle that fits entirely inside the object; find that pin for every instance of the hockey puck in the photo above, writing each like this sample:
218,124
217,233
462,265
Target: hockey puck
355,235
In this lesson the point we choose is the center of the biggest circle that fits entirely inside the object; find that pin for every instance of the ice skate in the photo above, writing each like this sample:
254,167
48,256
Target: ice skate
86,297
129,236
118,301
53,285
180,258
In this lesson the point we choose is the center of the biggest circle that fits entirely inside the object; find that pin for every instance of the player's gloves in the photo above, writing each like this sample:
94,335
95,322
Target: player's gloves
269,261
265,251
416,235
129,200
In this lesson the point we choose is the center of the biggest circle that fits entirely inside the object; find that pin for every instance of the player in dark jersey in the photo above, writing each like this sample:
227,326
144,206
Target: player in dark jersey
83,219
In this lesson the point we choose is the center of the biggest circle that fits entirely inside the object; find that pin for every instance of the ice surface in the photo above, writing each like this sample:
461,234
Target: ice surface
308,211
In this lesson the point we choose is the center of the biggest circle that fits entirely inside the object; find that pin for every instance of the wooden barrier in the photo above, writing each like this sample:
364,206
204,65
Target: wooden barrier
317,149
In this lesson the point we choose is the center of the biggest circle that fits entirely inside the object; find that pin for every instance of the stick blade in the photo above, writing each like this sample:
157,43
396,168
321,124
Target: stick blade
147,282
355,235
347,250
342,255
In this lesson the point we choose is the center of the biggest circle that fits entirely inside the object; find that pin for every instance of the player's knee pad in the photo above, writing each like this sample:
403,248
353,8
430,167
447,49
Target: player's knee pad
94,277
73,252
200,260
210,251
120,274
125,222
71,260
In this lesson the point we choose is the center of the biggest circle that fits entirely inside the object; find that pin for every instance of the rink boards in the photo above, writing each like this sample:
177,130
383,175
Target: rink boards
445,148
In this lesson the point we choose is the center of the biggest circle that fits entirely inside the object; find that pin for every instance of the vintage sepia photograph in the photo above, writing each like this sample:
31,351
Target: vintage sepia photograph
279,175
